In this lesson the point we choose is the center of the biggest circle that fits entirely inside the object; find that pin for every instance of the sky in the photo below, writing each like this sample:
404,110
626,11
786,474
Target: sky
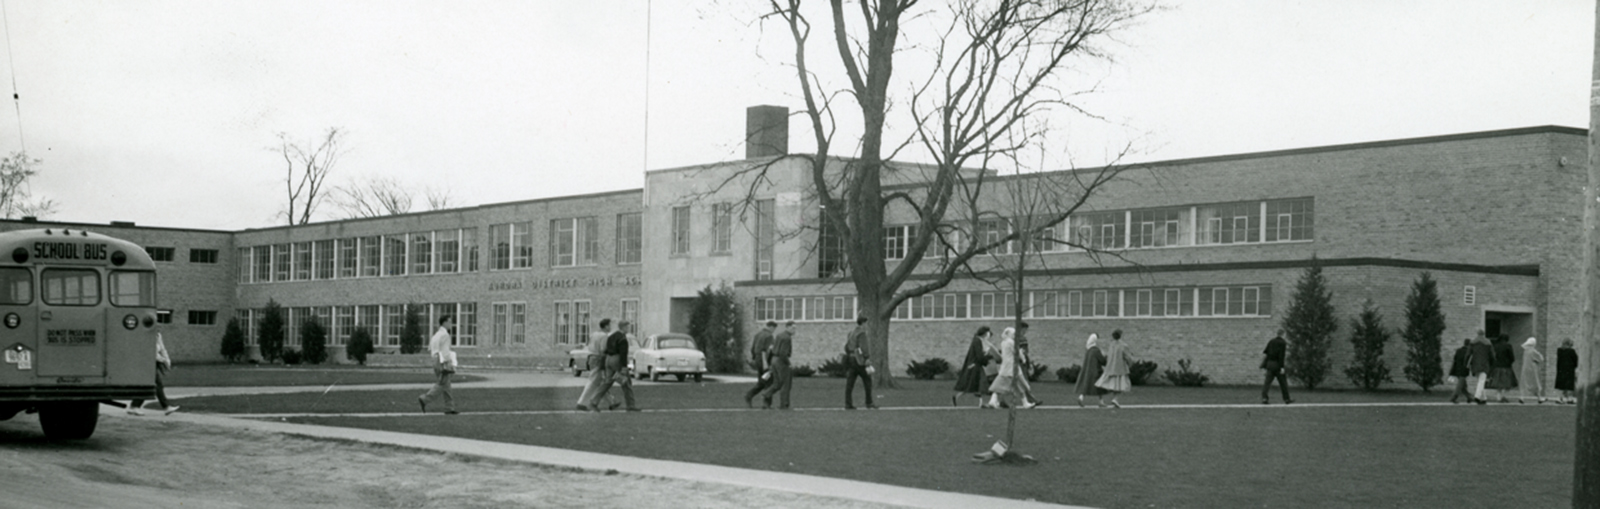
167,113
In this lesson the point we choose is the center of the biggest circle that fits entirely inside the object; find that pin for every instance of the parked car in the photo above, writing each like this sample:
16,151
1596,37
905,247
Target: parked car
673,354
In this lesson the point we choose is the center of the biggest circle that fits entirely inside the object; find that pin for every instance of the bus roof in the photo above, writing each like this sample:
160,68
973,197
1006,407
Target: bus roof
68,246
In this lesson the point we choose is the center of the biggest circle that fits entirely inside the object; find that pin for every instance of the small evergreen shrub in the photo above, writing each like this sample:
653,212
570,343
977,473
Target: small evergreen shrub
1036,370
290,356
233,348
360,345
834,367
715,325
928,369
413,334
1140,372
272,331
1069,374
313,342
1186,375
1367,369
802,370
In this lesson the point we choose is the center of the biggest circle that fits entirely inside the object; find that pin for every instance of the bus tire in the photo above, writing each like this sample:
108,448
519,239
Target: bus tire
69,420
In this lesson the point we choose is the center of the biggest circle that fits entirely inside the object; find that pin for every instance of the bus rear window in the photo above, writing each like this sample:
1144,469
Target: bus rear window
133,289
16,286
70,287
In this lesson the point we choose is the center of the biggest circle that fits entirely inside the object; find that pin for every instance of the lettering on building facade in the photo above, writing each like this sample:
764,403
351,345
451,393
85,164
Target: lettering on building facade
517,284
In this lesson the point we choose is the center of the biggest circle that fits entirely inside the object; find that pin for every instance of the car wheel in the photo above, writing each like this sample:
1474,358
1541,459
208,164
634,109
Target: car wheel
680,377
696,378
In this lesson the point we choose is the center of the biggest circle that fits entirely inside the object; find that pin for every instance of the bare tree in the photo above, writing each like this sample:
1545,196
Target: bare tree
385,196
16,198
307,167
994,82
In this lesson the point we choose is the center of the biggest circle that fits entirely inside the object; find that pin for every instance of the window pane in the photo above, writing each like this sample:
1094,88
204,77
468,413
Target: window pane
70,287
133,289
16,286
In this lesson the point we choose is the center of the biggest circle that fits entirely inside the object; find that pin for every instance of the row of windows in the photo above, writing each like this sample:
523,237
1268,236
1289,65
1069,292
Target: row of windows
1239,300
722,221
573,242
507,322
167,254
77,287
1285,220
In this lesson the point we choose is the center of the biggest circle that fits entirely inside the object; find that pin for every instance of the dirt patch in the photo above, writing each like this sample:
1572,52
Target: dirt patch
151,462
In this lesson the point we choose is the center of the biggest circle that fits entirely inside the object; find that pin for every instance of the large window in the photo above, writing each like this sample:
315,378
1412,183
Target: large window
129,289
202,255
1229,223
511,245
510,323
281,258
394,255
897,241
199,317
246,266
1289,219
467,324
344,322
447,245
574,241
347,258
991,231
499,247
1100,230
721,228
70,287
371,256
469,238
1160,227
160,254
680,230
630,315
766,237
522,245
630,234
302,261
422,253
394,320
563,322
322,259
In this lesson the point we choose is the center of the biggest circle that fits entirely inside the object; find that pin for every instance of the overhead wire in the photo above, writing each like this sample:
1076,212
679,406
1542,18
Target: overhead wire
16,96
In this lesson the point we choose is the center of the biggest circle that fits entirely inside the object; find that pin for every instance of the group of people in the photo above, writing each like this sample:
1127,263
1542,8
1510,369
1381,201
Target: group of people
1492,364
996,376
769,355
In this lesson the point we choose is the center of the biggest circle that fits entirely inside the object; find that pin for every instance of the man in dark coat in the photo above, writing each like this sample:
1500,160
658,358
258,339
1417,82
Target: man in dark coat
857,365
782,348
1480,359
759,350
1277,348
617,367
1459,369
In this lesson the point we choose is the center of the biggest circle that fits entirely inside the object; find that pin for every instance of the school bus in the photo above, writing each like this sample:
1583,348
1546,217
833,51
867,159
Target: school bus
77,323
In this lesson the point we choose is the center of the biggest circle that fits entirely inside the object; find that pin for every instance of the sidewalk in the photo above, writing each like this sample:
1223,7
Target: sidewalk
606,463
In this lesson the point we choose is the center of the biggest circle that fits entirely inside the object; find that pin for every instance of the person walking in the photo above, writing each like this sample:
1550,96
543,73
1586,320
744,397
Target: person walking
1115,377
596,366
617,368
857,364
1460,368
163,365
782,378
759,350
444,366
1532,361
1093,361
1006,391
1481,362
971,377
1273,362
1501,377
1566,371
1025,367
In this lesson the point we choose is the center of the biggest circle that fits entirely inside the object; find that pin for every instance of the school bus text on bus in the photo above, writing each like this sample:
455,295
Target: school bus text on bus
88,251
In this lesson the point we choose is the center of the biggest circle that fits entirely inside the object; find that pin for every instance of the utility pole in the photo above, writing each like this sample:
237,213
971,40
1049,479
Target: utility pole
1586,466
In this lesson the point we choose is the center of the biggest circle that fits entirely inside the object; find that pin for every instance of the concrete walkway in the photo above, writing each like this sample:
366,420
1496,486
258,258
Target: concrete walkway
776,481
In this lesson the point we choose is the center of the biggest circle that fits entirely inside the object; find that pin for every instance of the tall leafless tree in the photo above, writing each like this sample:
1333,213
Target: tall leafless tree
996,78
16,199
385,196
307,167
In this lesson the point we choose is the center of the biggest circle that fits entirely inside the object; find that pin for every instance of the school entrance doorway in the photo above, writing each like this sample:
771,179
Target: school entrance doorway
678,318
1514,324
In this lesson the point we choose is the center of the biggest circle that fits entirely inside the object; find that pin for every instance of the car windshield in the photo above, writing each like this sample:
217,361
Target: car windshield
666,343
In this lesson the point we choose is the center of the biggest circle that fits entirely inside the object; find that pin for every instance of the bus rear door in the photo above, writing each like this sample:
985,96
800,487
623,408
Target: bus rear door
72,343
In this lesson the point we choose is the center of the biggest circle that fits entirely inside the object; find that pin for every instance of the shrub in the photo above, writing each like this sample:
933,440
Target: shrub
1310,325
928,369
233,348
1036,370
1069,374
1186,376
715,325
802,370
271,328
313,342
412,332
290,356
834,367
360,345
1424,328
1367,336
1140,372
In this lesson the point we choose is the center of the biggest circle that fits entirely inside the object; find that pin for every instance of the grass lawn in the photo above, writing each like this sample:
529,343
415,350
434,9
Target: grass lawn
224,375
1405,456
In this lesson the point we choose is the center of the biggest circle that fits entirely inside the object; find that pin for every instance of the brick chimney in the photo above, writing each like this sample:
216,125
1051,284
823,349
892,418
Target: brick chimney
766,131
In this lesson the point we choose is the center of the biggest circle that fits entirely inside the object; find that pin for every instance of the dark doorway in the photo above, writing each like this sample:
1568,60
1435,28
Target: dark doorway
1517,326
682,309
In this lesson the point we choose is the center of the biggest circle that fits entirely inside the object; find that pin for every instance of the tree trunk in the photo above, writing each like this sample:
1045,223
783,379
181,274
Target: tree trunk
1586,466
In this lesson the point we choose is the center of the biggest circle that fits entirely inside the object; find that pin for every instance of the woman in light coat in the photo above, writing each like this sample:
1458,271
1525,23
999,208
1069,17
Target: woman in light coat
1093,361
1532,360
1008,386
1115,378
